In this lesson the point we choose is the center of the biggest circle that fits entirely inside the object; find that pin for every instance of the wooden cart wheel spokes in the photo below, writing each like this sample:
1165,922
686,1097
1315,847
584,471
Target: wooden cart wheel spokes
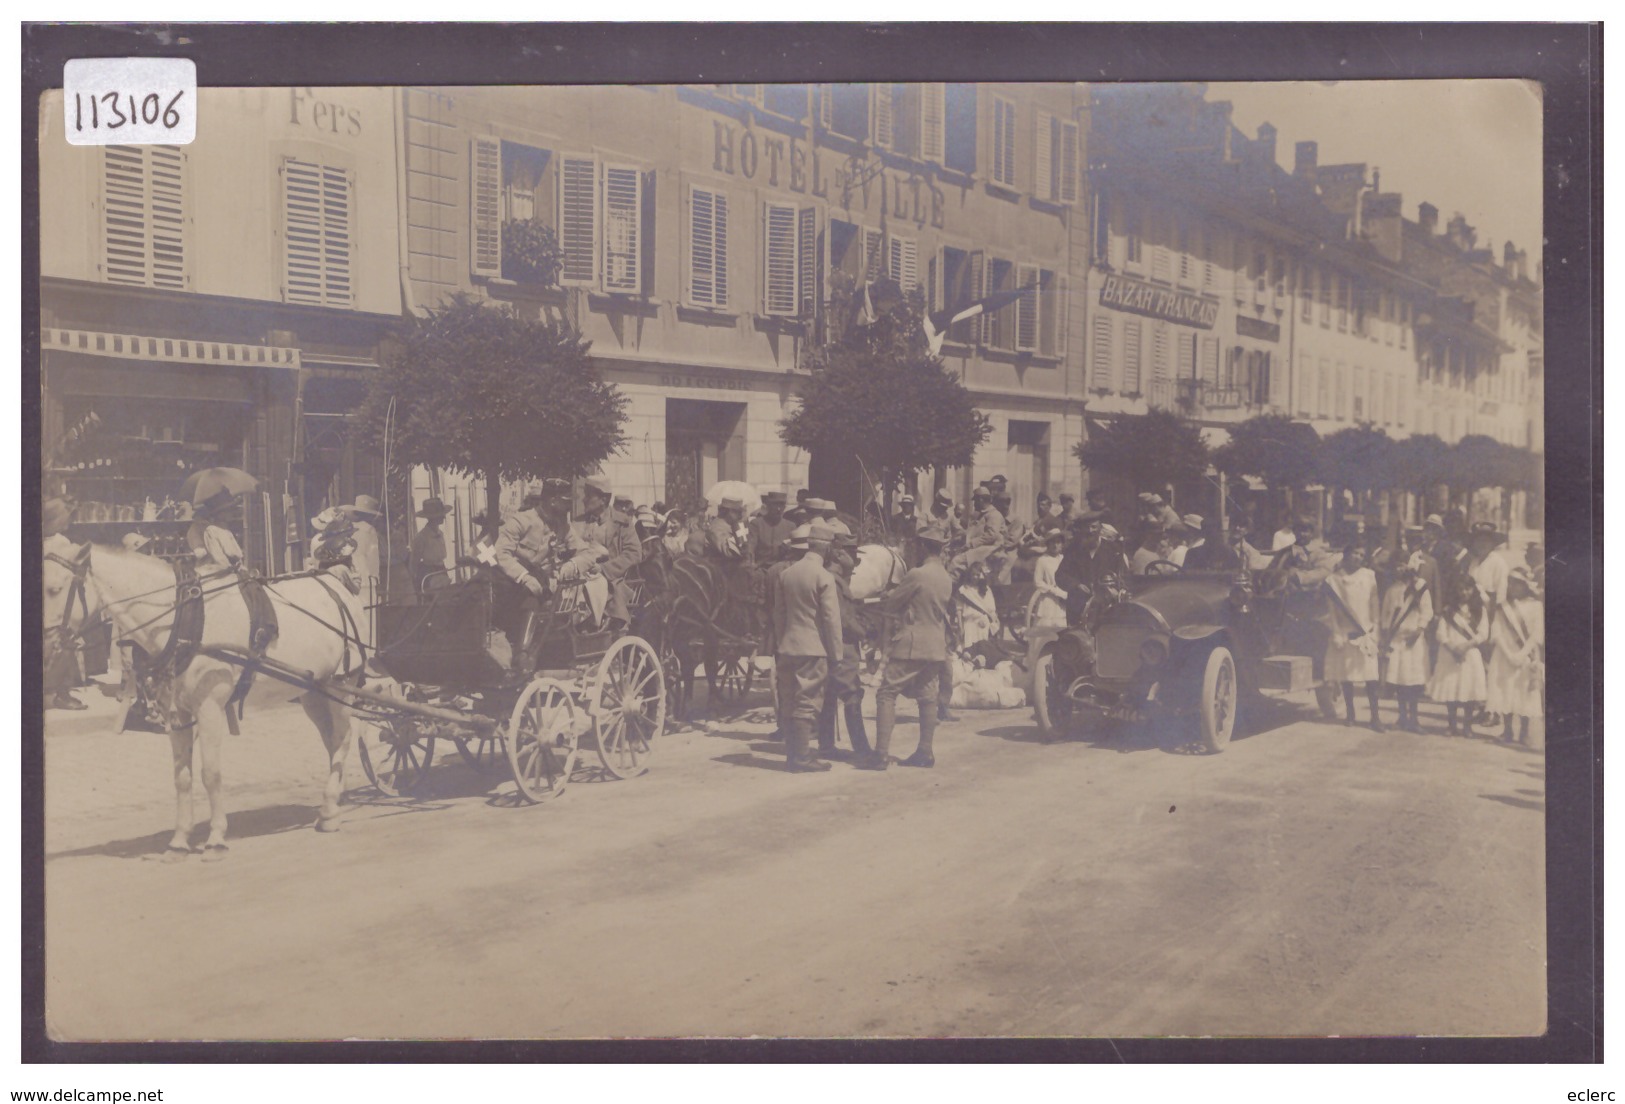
395,753
734,676
543,740
483,753
628,705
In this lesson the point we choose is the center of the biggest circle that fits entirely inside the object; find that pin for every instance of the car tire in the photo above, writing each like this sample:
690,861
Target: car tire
1053,723
1220,700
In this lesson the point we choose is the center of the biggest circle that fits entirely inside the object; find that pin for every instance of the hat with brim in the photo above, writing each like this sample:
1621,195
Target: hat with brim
820,505
933,535
775,498
1482,529
731,504
434,508
598,484
1150,499
366,504
820,533
1193,522
944,497
1434,520
135,542
906,500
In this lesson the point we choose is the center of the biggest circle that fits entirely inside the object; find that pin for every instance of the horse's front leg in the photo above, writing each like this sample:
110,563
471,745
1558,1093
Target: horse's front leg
181,731
211,730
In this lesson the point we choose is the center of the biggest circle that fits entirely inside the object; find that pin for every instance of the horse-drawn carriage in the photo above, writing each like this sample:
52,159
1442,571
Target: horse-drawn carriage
445,682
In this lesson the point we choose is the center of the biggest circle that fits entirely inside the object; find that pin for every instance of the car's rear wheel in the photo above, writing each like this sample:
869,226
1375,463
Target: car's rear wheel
1221,696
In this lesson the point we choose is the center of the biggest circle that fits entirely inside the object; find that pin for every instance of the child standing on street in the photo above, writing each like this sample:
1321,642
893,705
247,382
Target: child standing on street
1407,610
1351,654
1517,672
1458,673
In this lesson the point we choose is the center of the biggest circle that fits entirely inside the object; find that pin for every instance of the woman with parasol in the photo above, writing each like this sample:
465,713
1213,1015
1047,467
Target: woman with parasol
213,493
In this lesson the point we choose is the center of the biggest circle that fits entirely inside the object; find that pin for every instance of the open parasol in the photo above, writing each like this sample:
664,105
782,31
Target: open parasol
734,488
209,483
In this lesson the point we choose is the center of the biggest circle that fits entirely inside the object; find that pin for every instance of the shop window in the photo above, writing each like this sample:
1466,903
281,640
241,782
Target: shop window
1003,153
318,238
144,215
959,138
707,248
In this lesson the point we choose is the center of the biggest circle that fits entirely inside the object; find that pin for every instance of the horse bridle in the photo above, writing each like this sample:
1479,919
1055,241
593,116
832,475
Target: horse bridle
79,566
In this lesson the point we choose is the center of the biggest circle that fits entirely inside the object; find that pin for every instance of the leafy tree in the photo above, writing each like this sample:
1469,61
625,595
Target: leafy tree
1356,459
1151,450
1274,448
1417,463
479,389
877,393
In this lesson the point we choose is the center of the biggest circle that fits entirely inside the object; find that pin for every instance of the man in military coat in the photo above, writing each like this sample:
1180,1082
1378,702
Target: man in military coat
805,612
616,533
916,651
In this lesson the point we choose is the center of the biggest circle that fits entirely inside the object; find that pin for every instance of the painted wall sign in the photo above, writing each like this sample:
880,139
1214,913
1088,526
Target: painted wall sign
1139,297
710,383
1248,326
307,109
785,162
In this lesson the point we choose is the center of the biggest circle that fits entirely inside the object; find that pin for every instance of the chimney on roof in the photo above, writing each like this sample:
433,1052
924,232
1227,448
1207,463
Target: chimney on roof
1382,223
1266,143
1427,217
1462,236
1306,154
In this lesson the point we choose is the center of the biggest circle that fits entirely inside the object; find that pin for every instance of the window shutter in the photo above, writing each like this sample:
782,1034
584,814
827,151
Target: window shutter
317,240
904,263
1131,355
485,207
881,130
1101,352
1306,376
826,106
989,319
707,248
1277,382
967,332
779,259
1159,352
623,231
1060,303
143,216
1028,323
1067,163
1210,360
874,254
933,122
578,219
1043,155
1004,143
809,279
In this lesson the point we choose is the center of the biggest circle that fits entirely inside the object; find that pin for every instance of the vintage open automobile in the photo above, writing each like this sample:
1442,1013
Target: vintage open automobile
1179,648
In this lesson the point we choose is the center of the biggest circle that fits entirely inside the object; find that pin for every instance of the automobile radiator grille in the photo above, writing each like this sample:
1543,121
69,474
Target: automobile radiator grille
1118,648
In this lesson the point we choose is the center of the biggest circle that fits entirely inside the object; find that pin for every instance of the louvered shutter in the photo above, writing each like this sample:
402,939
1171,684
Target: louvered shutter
1060,303
623,231
1028,309
317,242
809,279
826,106
881,131
933,122
1160,265
1101,351
1159,352
874,254
1210,360
778,259
990,329
707,248
143,216
904,263
967,332
485,207
1004,142
578,220
1066,158
1043,156
1131,355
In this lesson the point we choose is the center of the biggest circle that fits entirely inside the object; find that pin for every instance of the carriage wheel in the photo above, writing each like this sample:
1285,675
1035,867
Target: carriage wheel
395,753
627,699
543,740
734,676
483,753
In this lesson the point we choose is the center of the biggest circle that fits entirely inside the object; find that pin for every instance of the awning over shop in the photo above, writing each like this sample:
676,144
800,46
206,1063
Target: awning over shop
169,350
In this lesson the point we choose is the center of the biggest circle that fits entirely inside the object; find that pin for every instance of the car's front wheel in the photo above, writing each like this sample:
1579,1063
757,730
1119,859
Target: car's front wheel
1051,704
1221,697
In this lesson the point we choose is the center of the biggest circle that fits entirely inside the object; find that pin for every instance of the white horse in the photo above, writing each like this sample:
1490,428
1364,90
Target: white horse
879,568
317,634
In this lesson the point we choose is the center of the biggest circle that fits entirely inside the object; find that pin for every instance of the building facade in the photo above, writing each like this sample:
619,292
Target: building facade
1224,286
706,234
218,303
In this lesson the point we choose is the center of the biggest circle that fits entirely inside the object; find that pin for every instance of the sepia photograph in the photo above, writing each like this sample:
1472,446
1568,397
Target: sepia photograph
832,561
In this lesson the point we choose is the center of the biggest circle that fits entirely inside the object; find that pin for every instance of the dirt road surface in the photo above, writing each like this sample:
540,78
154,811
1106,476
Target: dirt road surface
1312,880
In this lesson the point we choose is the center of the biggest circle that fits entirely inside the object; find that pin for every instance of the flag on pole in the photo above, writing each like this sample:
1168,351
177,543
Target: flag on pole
937,323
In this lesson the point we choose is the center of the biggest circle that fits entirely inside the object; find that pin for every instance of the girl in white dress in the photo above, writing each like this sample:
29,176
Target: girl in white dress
977,609
1458,671
1351,654
1049,599
1407,610
1517,672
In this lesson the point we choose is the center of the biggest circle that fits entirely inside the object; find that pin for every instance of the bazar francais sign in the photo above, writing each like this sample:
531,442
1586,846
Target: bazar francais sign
1139,297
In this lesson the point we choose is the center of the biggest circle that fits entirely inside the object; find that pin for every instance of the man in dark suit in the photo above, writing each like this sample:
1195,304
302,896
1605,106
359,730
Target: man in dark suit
768,530
806,624
916,652
1086,563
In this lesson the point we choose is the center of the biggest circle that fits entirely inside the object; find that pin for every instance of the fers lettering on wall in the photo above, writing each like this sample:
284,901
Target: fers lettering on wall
1138,297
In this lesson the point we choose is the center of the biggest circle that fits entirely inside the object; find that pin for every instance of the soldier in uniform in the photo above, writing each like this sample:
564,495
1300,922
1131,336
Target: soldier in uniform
535,549
986,526
916,653
768,530
942,515
722,532
805,612
823,513
844,688
614,532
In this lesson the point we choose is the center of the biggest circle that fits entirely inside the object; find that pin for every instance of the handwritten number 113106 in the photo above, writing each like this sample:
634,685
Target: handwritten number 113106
148,109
